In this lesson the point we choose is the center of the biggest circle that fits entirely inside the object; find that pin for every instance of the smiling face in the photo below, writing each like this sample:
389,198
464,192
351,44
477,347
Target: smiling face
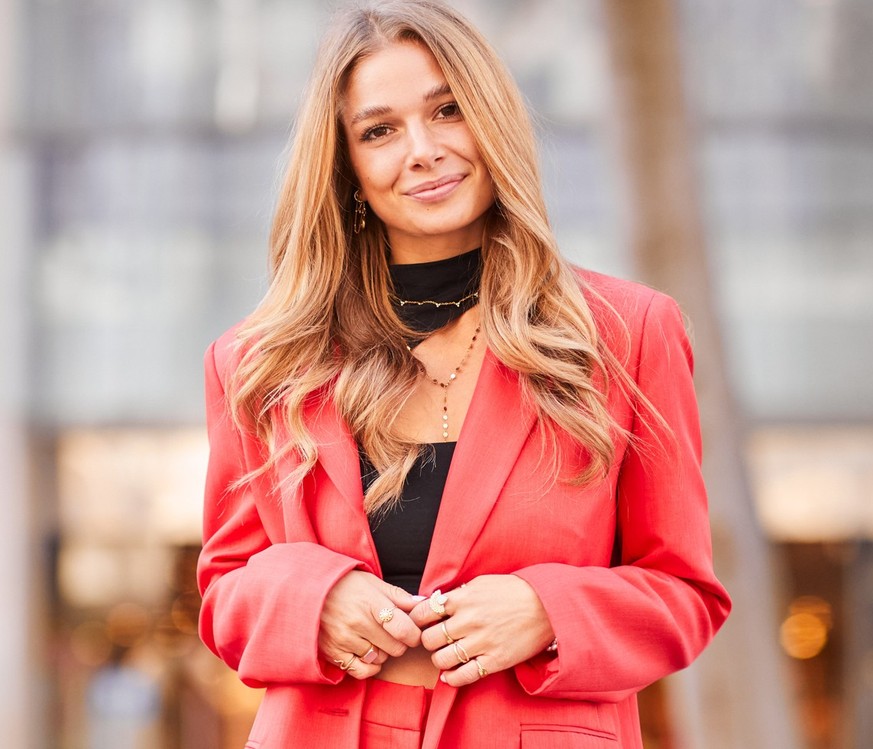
415,159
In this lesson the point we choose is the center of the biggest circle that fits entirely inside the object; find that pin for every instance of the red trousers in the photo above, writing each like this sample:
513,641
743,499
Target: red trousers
394,715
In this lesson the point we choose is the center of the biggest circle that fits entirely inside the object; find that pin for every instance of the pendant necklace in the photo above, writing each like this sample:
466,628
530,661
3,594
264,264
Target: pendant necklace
452,377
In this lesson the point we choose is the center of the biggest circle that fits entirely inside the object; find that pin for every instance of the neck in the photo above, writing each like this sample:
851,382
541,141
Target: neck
429,295
429,250
424,256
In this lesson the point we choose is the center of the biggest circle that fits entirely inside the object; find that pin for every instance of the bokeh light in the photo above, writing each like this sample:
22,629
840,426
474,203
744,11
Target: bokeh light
804,632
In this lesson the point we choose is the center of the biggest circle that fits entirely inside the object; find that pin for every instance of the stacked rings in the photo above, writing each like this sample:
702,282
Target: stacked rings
460,653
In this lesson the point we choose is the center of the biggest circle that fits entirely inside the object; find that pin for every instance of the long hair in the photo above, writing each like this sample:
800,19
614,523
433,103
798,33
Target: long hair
326,325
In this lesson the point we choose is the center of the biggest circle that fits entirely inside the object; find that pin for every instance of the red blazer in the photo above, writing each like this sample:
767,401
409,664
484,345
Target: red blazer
623,566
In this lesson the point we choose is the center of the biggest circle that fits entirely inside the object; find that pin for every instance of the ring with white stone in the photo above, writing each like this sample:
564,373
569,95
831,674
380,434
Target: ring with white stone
438,601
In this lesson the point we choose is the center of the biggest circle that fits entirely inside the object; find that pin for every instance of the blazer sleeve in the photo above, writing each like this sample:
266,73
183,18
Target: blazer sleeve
620,628
262,597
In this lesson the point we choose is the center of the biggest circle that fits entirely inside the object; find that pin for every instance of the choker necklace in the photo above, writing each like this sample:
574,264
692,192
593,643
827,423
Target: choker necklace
423,302
428,296
452,377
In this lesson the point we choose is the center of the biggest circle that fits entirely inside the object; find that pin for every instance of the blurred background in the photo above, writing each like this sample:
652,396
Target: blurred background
720,151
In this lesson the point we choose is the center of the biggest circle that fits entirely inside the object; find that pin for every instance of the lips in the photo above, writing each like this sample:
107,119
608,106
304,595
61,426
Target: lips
436,188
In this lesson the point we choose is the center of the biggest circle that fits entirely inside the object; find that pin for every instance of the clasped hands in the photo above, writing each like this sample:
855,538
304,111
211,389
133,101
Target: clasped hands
489,624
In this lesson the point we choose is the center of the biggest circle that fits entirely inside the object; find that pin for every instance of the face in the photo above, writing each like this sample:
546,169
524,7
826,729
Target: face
414,157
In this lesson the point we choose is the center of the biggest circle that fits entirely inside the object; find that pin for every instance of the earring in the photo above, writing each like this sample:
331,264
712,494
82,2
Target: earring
360,213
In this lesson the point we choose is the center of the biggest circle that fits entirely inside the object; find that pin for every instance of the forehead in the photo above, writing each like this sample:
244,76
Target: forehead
398,74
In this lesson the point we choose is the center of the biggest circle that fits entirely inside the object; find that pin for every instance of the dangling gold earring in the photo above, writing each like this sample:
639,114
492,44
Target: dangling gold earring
360,213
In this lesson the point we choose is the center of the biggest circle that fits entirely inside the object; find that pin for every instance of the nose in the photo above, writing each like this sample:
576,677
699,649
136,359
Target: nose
425,149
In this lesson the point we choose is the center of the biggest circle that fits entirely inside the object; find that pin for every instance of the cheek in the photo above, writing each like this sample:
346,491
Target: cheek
360,161
358,164
466,146
374,172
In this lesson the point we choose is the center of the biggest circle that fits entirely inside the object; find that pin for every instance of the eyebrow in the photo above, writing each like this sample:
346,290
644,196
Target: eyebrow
441,89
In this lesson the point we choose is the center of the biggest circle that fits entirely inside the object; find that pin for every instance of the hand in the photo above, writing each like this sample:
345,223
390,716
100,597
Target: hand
497,621
352,635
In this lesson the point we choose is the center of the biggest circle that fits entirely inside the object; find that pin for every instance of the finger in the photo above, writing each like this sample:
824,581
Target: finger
371,656
365,671
466,674
351,665
441,634
453,655
385,643
368,651
396,623
437,606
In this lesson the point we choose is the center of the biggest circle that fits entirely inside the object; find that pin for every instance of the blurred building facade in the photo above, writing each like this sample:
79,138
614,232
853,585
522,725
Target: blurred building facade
140,144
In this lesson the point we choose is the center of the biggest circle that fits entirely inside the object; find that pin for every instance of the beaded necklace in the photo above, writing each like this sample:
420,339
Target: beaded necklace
451,378
428,296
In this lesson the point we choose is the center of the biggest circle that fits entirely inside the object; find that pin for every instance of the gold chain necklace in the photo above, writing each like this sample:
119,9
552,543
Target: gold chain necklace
452,377
404,302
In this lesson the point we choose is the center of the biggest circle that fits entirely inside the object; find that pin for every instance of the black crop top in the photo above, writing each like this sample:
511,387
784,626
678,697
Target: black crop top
403,535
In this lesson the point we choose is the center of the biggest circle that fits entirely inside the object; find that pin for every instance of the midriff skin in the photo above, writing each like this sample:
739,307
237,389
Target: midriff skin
414,668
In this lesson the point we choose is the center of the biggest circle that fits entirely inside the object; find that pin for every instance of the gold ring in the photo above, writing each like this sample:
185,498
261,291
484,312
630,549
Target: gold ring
460,653
386,615
482,671
438,602
449,638
346,665
371,655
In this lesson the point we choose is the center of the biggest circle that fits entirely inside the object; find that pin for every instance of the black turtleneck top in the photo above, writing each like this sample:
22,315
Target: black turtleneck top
403,535
455,279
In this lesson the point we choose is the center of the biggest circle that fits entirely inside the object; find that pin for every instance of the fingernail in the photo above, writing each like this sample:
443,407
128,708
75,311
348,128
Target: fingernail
419,598
443,679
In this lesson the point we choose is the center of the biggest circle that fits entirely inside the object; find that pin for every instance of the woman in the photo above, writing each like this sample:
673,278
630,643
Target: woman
454,494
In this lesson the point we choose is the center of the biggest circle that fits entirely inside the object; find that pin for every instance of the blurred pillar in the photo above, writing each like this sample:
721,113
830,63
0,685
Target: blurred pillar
858,666
735,696
19,575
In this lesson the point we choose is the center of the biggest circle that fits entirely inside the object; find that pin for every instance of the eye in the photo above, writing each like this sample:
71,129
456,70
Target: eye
375,132
450,111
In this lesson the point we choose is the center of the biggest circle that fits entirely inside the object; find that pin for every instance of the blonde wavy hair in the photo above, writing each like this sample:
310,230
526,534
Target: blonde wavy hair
326,325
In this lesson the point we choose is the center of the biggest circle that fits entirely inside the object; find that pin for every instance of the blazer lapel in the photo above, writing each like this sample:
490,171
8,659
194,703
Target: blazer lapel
337,451
495,429
438,714
338,456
